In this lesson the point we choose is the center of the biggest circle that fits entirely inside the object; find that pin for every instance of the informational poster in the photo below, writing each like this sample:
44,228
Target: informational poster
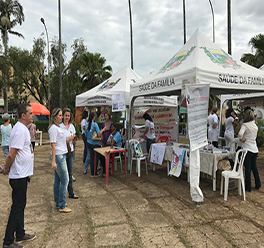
157,113
169,130
197,97
177,161
118,103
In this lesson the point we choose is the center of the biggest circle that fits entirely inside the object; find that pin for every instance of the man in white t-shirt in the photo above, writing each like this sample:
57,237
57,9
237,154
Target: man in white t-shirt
212,121
19,166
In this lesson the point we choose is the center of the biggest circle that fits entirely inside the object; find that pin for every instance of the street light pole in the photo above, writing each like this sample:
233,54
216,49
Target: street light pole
184,23
43,21
213,20
131,35
60,57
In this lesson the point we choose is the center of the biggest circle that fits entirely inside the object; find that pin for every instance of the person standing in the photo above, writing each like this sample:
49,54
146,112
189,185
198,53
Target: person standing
230,121
33,132
19,167
90,128
149,131
58,160
70,134
83,123
247,135
107,124
213,120
5,132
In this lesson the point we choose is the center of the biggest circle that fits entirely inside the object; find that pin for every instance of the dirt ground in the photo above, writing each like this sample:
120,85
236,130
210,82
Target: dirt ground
151,211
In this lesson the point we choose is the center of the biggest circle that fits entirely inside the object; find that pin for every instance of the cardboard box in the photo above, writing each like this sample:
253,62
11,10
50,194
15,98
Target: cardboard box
232,182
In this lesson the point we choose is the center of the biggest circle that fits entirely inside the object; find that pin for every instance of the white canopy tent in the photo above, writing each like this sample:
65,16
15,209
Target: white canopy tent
200,61
119,83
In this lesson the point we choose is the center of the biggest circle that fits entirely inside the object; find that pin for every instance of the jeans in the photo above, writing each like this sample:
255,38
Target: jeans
149,142
101,157
85,148
61,181
87,160
69,161
251,165
16,217
5,150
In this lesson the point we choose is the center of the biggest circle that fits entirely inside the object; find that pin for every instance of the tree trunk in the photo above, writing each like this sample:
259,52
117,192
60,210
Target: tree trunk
6,73
131,34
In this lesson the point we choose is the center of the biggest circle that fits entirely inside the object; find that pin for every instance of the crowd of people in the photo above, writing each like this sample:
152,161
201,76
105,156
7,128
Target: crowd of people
246,130
18,144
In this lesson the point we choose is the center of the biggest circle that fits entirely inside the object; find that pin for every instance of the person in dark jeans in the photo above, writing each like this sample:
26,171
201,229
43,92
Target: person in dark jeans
247,135
20,155
90,128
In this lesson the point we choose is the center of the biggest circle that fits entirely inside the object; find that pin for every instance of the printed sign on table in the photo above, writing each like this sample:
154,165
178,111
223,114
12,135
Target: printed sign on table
197,97
177,160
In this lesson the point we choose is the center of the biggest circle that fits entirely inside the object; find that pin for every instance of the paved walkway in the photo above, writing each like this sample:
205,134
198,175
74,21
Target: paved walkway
152,211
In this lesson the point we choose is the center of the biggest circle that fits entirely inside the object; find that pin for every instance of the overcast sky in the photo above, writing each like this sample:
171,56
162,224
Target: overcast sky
157,27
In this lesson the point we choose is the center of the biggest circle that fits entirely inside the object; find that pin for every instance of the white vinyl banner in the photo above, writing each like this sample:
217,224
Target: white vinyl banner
157,113
160,130
197,97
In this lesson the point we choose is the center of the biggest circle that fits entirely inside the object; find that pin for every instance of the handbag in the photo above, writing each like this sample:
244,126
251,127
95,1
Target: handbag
69,153
95,137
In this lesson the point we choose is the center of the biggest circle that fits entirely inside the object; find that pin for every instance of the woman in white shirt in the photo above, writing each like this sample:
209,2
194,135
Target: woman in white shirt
69,131
58,160
247,135
213,120
149,130
83,123
229,135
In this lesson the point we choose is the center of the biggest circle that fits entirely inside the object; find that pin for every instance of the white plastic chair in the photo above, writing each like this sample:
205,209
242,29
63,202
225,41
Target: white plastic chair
120,160
137,155
236,173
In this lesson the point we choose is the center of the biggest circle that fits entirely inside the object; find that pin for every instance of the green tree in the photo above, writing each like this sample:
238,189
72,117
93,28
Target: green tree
28,71
93,70
11,14
256,58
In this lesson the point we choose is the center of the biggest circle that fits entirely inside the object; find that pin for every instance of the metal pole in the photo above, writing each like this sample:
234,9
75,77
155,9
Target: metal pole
184,23
229,26
131,35
213,20
43,21
60,57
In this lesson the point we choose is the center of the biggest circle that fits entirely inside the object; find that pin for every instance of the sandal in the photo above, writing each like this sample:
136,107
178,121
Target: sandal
74,196
65,210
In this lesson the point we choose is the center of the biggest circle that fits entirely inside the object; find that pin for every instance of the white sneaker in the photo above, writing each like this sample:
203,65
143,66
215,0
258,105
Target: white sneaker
73,179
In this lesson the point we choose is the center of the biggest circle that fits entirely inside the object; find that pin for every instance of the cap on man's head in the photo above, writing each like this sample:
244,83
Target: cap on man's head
6,117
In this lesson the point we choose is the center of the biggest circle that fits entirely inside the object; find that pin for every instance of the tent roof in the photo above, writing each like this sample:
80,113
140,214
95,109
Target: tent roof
202,62
119,83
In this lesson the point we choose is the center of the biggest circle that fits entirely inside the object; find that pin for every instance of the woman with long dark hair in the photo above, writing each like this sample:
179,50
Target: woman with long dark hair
58,160
70,134
107,124
90,128
149,130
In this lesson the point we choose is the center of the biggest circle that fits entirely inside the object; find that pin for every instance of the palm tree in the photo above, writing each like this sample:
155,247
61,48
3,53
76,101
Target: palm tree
11,14
257,46
93,70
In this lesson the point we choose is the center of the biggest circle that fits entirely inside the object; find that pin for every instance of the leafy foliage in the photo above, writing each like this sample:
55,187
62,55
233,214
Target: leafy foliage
256,58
